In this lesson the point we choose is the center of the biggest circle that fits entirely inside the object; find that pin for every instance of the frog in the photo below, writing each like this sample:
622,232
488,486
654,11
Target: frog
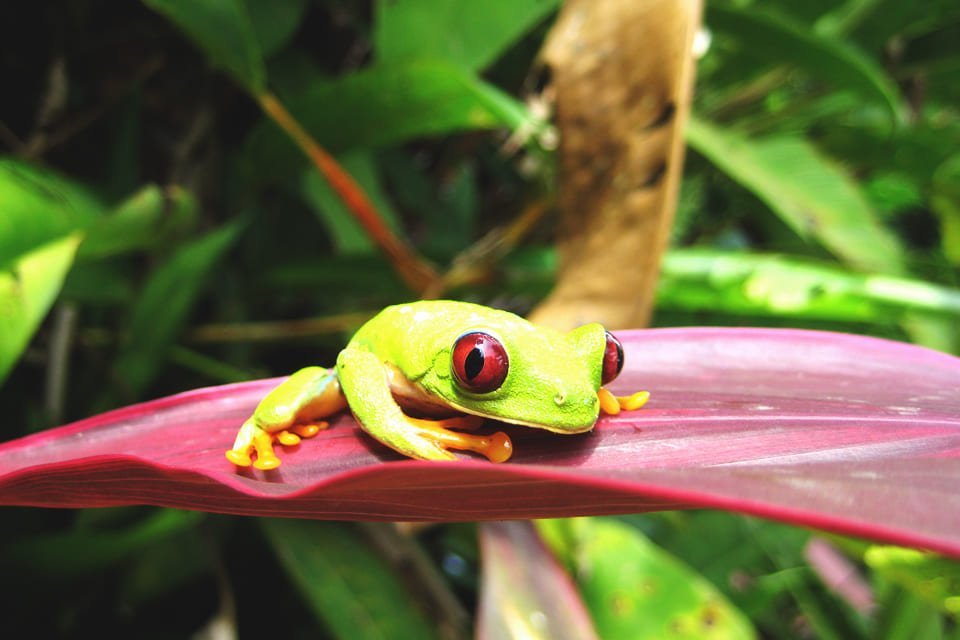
422,377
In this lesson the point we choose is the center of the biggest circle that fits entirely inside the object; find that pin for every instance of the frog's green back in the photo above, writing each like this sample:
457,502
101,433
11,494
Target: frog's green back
552,380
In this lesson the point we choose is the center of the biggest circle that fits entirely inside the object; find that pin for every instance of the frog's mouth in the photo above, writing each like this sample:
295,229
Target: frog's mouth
571,430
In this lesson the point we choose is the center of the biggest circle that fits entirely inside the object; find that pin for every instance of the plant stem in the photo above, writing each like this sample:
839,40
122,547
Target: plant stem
416,272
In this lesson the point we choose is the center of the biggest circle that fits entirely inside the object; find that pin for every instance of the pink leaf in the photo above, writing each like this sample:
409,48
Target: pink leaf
845,433
524,592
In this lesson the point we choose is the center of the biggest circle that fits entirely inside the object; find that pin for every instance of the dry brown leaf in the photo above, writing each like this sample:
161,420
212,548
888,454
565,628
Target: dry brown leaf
622,72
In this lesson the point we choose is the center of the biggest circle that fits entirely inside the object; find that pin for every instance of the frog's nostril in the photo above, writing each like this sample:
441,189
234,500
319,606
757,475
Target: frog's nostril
560,398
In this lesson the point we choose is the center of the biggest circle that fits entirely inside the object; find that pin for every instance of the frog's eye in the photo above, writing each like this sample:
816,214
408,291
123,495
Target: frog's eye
612,359
479,362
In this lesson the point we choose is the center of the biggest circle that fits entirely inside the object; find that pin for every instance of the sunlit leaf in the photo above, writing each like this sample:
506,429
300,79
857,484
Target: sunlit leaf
350,587
525,593
222,28
933,578
809,192
635,589
39,206
27,290
471,34
144,220
820,429
739,282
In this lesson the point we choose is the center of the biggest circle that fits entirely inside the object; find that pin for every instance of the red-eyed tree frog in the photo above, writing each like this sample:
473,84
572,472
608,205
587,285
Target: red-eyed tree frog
437,359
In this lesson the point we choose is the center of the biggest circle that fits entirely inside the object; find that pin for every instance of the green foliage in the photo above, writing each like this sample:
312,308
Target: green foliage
814,197
163,304
27,290
38,207
144,194
774,36
470,34
351,589
224,29
635,589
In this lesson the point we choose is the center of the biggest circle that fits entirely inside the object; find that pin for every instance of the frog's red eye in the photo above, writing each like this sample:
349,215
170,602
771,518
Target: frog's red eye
479,362
612,359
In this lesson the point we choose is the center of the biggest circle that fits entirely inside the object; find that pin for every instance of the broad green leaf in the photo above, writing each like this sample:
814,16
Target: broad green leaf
634,589
164,304
808,191
39,206
468,33
27,290
383,106
782,40
738,282
350,587
145,220
274,22
933,578
222,28
347,235
903,615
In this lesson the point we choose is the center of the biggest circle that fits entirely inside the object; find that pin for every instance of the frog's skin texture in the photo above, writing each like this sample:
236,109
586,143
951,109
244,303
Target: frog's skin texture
439,359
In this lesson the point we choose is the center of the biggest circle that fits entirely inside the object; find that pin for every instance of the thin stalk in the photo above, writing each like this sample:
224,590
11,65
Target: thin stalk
416,272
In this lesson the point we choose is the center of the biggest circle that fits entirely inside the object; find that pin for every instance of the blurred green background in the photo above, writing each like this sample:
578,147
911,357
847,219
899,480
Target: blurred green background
158,233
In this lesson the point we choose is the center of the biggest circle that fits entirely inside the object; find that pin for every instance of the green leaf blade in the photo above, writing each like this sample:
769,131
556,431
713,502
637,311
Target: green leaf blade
164,304
635,589
777,37
27,292
39,206
468,34
385,106
350,588
223,29
810,193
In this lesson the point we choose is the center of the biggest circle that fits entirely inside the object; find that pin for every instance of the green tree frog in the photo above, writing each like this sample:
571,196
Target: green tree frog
436,359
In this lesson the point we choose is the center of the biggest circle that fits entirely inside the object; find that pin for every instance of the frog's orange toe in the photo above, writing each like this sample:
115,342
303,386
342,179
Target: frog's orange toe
500,447
288,439
266,463
608,402
239,458
310,429
633,402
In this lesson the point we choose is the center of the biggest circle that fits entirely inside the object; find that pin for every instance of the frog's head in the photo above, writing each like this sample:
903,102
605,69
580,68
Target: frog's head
528,375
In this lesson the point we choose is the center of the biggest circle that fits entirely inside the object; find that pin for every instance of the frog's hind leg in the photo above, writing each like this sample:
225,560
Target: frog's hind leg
288,413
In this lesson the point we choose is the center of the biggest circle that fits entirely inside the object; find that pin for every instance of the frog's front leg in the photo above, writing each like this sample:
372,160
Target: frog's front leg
365,384
291,411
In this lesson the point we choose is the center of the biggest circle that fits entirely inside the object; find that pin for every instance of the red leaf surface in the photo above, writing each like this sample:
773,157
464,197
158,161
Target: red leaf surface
839,432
